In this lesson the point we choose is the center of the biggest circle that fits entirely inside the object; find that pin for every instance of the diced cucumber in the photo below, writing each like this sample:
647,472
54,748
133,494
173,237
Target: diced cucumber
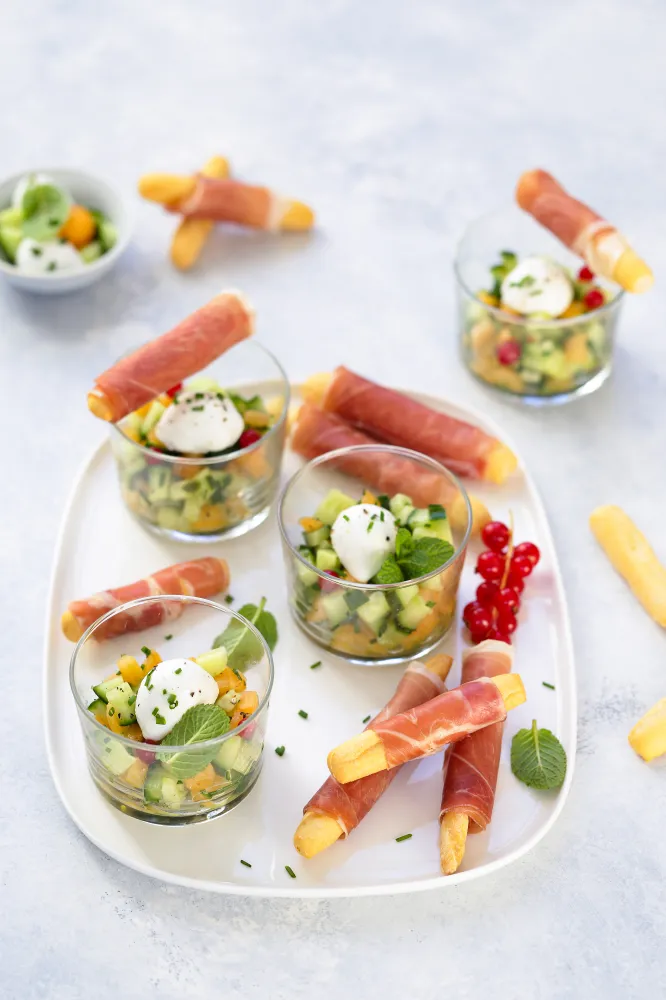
398,502
214,661
332,505
11,217
115,757
151,418
248,754
374,611
159,479
171,519
152,786
121,700
327,560
229,701
412,615
315,538
97,706
173,792
307,576
107,232
419,517
354,599
227,754
546,362
10,237
405,594
92,252
102,690
434,529
192,509
335,608
202,383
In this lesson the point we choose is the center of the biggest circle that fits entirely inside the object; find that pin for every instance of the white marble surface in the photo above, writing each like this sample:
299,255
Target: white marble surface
399,122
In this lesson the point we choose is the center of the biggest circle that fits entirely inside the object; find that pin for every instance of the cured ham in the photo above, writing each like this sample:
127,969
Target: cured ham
428,728
197,577
157,366
335,810
471,766
583,230
395,418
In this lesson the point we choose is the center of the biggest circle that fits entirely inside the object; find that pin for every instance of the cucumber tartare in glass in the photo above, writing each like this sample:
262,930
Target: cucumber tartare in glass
44,231
201,460
353,589
539,329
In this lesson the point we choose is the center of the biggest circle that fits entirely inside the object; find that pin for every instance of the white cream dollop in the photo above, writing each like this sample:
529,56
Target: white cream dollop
200,422
49,257
167,692
363,536
537,285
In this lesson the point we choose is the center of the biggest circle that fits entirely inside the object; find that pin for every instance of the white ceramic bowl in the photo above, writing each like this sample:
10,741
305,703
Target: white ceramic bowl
88,190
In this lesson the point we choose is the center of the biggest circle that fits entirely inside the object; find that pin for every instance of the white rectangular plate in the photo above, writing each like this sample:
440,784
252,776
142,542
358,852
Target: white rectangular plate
100,546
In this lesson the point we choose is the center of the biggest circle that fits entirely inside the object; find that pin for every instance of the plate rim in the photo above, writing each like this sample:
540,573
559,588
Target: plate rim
325,892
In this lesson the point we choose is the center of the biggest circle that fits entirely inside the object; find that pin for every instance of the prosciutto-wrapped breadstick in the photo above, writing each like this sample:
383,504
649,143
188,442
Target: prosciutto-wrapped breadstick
317,432
191,235
395,418
471,766
428,728
583,231
157,366
197,578
226,200
335,810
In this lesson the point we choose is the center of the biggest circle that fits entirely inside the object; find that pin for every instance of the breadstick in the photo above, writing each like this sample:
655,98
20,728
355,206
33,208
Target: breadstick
633,557
191,235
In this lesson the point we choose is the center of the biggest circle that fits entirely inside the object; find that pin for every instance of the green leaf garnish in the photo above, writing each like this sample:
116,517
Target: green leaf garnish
198,724
241,645
426,556
404,543
45,209
389,572
354,599
538,758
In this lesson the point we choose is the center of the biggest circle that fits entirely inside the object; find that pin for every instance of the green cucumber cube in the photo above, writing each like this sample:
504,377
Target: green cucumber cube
332,505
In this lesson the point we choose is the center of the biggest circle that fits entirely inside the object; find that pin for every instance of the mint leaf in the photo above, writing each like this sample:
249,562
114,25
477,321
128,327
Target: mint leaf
198,724
240,643
45,209
426,556
404,543
538,758
389,572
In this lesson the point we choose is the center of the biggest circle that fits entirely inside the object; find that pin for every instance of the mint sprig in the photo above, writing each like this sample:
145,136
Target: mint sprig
198,724
240,643
45,209
389,572
538,759
413,558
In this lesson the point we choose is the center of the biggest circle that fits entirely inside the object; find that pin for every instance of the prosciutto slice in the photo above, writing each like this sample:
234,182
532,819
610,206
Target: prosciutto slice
157,366
349,804
197,577
399,420
582,230
318,432
471,766
228,200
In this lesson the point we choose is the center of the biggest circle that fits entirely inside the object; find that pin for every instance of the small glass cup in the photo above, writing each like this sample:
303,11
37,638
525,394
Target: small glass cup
559,359
330,610
240,487
124,769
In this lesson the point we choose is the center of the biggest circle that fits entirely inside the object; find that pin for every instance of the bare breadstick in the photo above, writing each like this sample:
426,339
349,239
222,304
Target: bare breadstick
633,557
166,189
427,728
648,737
452,841
191,235
314,388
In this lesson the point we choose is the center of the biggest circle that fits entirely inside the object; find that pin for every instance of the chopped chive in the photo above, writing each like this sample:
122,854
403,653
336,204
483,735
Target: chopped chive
160,720
302,714
228,599
170,636
367,719
131,699
112,711
381,516
197,409
313,666
547,685
430,604
280,751
198,395
371,525
246,863
290,871
344,517
146,650
405,836
178,670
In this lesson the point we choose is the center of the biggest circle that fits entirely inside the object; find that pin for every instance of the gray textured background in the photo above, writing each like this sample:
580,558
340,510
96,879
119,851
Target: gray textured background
399,122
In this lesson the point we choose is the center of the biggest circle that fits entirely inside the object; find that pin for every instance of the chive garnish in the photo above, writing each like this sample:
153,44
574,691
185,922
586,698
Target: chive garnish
344,517
246,863
371,525
131,699
51,266
178,670
405,836
280,751
146,650
547,685
302,714
160,720
197,409
112,711
290,871
367,719
313,666
430,604
228,599
170,636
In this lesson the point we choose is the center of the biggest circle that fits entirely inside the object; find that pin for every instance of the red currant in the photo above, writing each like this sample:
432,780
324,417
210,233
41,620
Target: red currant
485,593
479,622
521,565
147,756
490,566
248,437
508,352
506,622
528,549
585,274
326,586
498,636
495,536
506,599
516,582
594,298
175,389
469,610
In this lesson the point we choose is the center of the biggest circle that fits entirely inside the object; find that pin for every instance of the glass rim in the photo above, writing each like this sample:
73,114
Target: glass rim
230,456
395,450
526,321
185,599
